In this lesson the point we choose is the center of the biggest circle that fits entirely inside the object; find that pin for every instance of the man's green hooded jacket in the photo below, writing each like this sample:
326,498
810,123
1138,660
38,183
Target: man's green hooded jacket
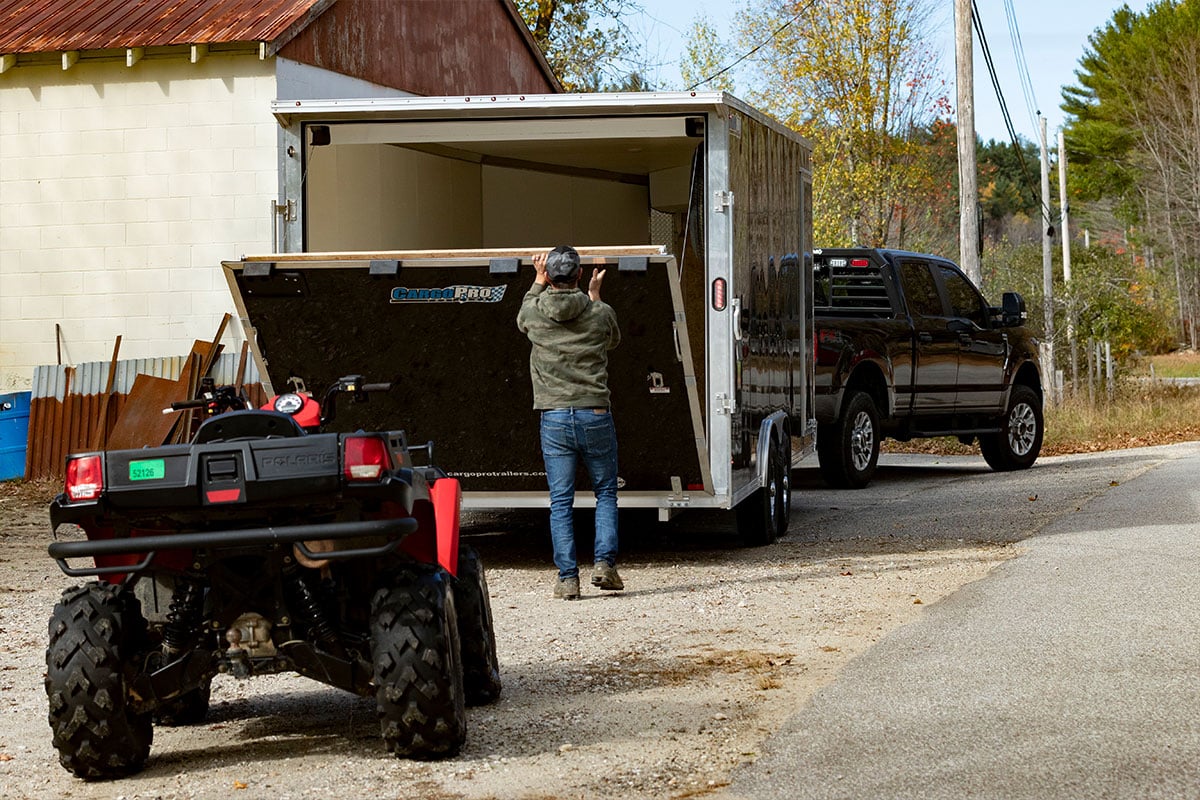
571,336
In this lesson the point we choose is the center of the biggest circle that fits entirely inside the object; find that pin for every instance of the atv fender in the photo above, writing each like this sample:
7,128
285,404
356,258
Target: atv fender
446,494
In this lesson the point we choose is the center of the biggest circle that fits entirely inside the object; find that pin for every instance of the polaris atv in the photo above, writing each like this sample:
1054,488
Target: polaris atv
263,546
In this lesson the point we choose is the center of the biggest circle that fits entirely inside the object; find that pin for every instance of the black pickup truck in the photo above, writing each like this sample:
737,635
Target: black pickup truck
907,347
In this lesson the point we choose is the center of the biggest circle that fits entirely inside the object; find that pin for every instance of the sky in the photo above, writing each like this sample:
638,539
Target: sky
1053,35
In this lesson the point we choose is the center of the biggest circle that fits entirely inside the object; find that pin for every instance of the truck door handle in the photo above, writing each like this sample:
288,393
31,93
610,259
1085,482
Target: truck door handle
965,338
925,336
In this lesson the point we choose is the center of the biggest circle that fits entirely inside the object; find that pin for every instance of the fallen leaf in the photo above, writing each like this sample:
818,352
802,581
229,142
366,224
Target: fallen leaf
918,602
5,757
239,785
1114,483
1032,497
847,572
830,648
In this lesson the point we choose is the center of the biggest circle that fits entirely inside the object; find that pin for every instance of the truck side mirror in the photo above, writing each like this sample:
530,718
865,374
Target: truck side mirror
1013,310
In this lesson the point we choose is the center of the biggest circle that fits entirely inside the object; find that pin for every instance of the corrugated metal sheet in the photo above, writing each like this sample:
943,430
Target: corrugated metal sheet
35,26
92,377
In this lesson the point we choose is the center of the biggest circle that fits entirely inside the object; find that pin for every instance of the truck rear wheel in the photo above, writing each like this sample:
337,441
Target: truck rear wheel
848,449
418,667
1019,442
481,668
96,632
763,516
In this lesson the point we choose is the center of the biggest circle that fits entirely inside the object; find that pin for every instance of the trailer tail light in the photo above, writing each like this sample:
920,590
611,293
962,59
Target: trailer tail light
718,294
85,478
365,458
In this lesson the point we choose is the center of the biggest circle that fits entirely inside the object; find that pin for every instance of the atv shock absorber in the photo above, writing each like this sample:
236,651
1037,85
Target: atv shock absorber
309,608
184,617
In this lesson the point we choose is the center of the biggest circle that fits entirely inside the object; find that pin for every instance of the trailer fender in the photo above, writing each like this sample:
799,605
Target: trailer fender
772,433
446,494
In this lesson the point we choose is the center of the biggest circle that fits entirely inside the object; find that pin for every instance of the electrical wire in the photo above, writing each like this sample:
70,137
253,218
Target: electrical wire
756,48
1014,35
1012,133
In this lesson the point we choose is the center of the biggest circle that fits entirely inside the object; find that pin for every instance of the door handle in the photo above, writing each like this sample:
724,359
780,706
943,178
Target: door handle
965,338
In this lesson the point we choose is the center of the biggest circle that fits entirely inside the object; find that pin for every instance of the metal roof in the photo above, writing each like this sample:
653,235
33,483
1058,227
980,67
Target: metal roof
34,26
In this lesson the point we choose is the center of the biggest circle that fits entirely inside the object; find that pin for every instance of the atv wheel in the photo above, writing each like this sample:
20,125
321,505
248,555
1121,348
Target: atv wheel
418,666
189,708
96,632
481,668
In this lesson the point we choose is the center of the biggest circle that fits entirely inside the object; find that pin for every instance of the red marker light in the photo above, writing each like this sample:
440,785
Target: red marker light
85,478
860,262
718,294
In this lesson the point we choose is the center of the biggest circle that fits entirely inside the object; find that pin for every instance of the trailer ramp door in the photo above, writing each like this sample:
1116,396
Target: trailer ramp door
442,326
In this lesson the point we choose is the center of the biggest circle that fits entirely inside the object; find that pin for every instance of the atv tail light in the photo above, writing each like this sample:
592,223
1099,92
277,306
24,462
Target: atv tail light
365,458
85,478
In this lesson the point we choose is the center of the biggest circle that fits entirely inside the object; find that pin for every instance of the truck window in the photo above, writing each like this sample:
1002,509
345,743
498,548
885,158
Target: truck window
920,290
965,301
842,283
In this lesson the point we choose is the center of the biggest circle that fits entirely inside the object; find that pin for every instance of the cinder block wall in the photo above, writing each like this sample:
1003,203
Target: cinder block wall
121,190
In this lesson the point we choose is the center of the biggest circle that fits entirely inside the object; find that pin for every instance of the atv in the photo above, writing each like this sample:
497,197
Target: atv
263,546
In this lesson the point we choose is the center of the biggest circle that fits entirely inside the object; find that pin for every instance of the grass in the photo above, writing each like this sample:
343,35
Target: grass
1184,364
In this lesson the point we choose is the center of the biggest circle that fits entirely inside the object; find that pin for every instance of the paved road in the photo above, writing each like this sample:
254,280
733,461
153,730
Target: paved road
1072,671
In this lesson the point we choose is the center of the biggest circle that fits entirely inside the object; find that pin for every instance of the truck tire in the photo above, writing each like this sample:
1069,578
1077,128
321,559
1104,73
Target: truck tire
1019,442
418,667
96,633
848,449
189,708
481,668
763,516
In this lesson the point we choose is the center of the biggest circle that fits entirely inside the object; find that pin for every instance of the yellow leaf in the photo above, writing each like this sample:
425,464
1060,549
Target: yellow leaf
239,785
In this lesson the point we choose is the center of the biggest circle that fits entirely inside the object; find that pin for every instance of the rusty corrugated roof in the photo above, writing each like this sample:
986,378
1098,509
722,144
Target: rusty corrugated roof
34,26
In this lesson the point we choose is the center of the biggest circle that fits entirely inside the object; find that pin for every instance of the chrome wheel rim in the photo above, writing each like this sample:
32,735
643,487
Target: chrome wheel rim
1022,429
862,441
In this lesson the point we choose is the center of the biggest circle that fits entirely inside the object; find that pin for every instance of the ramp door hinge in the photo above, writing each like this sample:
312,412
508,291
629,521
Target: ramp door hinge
723,404
722,201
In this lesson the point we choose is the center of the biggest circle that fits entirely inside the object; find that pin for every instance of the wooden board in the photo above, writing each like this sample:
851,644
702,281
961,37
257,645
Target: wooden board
141,421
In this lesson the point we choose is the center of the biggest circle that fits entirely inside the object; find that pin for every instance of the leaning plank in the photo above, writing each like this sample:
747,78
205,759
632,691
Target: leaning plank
99,440
142,421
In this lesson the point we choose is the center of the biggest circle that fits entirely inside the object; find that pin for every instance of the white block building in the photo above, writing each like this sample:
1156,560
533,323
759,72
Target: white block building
137,148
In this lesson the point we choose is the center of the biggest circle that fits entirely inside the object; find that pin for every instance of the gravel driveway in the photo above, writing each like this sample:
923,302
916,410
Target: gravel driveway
655,692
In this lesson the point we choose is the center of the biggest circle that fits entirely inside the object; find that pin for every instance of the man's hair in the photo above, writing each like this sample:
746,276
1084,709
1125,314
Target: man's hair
562,265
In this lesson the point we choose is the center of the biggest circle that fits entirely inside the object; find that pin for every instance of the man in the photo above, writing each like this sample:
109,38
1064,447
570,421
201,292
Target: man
572,333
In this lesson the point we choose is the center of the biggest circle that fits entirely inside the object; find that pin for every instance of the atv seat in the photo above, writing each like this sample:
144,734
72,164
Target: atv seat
234,425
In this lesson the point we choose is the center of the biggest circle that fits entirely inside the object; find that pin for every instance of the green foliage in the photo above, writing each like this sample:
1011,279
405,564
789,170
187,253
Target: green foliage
705,58
583,40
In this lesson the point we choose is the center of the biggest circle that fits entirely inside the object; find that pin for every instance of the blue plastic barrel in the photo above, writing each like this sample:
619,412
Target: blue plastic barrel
14,434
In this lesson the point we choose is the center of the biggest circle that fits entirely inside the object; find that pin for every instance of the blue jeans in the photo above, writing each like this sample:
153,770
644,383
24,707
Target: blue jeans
568,436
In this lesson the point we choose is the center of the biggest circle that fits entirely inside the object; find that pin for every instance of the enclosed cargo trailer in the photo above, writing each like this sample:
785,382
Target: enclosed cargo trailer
406,236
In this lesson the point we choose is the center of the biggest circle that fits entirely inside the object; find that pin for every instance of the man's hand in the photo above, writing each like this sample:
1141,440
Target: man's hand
594,284
539,265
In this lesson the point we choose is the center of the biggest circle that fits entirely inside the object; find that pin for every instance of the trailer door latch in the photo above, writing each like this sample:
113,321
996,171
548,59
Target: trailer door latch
722,403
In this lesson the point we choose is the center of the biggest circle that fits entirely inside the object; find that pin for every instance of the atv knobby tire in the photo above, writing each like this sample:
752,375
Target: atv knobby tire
418,668
481,668
96,633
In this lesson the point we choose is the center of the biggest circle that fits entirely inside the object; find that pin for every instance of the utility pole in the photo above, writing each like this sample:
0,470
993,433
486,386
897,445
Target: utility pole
1064,209
968,174
1047,269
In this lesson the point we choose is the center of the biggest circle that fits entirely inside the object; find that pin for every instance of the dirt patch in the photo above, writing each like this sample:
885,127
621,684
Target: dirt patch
655,692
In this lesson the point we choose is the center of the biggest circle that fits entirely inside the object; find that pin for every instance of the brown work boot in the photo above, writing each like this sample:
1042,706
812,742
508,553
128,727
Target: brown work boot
566,588
604,576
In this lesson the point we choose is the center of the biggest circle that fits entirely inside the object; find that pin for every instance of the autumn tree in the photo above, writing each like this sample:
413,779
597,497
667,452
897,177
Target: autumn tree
585,41
706,60
858,78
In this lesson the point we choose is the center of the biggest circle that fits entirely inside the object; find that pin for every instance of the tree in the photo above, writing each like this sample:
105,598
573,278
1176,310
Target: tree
584,41
706,60
859,78
1133,133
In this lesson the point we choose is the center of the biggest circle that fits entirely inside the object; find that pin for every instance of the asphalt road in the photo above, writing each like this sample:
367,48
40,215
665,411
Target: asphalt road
1071,671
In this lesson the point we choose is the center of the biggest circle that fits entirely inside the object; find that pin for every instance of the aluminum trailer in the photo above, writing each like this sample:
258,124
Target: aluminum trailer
406,231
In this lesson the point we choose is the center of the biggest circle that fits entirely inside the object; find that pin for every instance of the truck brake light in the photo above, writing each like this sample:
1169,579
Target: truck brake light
85,478
860,262
365,458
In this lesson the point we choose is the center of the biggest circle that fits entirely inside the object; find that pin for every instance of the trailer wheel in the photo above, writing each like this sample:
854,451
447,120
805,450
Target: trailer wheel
418,668
96,633
1018,444
763,516
481,667
848,449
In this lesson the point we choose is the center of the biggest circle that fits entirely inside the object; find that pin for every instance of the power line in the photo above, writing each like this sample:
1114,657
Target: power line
756,48
1012,133
1014,35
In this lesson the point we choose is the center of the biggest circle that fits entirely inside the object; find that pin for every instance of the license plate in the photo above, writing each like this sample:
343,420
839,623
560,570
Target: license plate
154,469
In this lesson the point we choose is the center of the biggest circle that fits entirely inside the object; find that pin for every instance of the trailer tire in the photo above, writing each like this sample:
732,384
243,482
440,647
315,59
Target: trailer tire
96,633
1019,442
418,666
848,449
481,667
763,516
